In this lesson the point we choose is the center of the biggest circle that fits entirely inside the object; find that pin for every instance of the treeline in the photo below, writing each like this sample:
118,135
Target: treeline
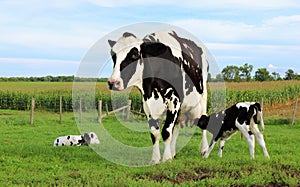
229,74
244,73
50,78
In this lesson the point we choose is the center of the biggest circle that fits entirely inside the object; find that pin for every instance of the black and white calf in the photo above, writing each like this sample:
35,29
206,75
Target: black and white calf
171,74
77,140
241,116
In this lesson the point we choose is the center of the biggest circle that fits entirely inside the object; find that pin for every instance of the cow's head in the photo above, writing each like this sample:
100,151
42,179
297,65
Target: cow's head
127,69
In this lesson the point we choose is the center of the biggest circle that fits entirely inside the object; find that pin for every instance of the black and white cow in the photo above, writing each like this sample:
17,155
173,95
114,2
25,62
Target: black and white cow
77,140
241,116
171,74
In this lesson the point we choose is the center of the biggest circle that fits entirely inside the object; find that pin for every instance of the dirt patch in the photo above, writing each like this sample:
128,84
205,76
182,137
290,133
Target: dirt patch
272,184
195,175
3,114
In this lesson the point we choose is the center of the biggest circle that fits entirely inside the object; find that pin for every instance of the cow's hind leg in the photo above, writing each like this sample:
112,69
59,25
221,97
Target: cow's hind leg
155,136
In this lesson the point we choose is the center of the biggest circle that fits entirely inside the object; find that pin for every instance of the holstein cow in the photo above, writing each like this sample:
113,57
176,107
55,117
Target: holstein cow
77,140
171,74
241,116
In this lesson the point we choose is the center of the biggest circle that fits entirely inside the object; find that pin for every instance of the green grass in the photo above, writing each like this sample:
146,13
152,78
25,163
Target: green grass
27,157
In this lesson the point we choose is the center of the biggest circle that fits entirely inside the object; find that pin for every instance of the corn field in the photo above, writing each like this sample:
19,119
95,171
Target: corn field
49,100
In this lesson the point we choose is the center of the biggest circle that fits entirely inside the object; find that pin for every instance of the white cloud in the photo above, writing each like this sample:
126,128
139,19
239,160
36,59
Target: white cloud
267,31
36,61
219,30
282,69
202,4
284,20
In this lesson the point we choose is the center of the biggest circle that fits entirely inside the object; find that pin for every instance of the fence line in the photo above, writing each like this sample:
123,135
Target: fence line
104,111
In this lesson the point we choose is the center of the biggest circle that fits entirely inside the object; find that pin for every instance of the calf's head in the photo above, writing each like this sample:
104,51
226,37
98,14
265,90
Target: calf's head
202,122
90,138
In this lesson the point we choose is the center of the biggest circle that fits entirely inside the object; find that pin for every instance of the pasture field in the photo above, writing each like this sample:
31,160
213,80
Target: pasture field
27,157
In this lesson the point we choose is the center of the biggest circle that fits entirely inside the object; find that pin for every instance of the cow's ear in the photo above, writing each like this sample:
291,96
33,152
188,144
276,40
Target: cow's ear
111,43
153,49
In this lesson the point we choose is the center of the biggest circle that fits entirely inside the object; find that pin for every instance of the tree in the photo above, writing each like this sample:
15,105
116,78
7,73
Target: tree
231,73
219,77
209,78
276,76
290,74
262,74
245,72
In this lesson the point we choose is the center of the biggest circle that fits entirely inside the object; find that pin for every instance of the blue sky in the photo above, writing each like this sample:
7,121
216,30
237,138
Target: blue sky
39,38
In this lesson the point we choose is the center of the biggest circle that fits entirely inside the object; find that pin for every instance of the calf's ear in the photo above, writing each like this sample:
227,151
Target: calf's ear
111,43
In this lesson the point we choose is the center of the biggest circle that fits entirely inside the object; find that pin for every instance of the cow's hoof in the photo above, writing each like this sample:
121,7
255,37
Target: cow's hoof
205,155
166,161
153,162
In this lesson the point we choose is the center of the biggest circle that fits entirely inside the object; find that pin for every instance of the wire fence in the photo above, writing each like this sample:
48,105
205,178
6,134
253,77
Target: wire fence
285,107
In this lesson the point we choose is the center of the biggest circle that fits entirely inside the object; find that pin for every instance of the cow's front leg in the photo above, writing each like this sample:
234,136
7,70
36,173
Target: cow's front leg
174,139
168,129
155,136
204,142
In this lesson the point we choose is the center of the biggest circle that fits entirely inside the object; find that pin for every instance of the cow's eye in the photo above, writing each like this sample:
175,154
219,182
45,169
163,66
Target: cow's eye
135,53
114,57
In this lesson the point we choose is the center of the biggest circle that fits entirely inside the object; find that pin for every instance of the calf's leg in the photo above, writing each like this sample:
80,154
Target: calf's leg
204,142
260,140
221,147
210,148
248,135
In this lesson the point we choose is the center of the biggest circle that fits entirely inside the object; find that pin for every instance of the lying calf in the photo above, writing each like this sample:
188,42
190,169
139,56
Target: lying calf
77,140
241,116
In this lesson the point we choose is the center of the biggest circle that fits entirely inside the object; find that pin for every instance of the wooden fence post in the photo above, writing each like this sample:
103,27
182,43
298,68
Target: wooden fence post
32,111
295,111
100,111
60,109
106,107
128,109
80,110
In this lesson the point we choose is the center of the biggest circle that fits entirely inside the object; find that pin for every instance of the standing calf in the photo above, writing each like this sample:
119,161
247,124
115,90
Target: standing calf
241,116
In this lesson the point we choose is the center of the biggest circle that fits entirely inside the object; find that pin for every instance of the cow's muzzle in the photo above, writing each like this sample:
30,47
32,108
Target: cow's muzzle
113,84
